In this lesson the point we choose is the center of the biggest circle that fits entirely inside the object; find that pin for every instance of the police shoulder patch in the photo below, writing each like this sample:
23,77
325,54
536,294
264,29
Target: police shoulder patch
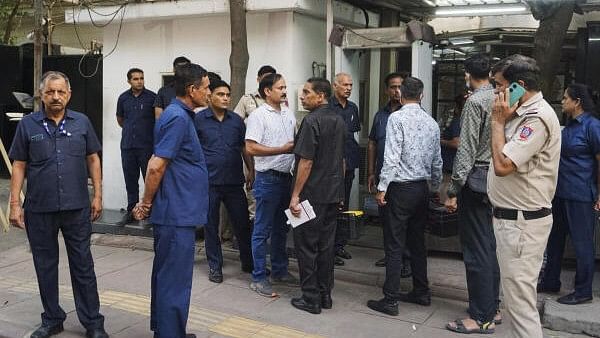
525,133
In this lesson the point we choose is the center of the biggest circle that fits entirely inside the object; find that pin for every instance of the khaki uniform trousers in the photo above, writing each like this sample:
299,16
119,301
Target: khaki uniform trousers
520,249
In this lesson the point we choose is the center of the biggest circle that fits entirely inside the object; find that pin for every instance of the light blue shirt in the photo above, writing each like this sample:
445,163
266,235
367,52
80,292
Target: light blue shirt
412,148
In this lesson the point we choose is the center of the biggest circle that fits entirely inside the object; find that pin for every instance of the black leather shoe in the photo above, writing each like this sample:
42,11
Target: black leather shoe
380,263
326,302
338,261
342,253
46,331
302,304
572,299
190,335
96,333
411,297
215,275
543,288
384,306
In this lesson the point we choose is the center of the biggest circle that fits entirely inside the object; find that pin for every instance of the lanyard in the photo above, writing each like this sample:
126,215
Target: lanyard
61,128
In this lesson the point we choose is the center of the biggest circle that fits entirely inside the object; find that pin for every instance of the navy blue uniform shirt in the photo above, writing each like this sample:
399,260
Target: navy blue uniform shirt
377,135
138,119
578,168
352,120
164,97
57,172
448,154
222,143
182,198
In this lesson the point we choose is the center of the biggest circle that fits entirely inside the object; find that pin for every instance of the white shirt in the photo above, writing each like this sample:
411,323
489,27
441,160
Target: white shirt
271,128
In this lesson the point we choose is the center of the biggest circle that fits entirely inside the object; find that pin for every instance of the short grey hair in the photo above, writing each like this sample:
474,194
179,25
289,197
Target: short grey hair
54,75
338,76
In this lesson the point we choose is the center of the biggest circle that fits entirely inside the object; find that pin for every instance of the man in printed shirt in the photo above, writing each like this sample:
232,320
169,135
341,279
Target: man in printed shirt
412,157
475,213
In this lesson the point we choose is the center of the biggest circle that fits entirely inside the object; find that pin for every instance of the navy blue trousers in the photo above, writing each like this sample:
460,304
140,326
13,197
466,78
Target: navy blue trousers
577,220
133,161
234,198
171,284
42,232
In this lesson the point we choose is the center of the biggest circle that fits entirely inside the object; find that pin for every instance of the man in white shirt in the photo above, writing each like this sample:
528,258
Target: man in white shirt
270,139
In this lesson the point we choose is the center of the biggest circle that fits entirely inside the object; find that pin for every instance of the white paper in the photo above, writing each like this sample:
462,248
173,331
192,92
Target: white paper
306,214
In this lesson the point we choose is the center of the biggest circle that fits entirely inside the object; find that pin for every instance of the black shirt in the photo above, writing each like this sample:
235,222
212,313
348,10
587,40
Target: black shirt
321,139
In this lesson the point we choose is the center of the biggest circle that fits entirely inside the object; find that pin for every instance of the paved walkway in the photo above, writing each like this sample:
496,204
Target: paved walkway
229,309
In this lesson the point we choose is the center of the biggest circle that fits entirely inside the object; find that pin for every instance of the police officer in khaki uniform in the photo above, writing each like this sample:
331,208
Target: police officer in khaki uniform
525,157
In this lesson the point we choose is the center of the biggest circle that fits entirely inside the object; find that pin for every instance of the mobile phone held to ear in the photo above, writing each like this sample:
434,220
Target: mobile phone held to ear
516,92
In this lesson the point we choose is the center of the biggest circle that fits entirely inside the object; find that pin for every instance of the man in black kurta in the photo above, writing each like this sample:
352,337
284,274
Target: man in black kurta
318,178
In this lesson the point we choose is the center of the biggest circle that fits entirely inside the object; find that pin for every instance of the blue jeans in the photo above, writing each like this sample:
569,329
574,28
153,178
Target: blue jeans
576,219
272,194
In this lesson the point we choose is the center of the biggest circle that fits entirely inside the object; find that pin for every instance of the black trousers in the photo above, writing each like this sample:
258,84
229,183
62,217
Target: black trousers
234,198
341,237
407,205
479,254
133,162
42,232
313,242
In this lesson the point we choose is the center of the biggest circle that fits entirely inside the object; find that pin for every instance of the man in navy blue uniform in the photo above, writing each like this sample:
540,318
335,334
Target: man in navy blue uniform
136,116
376,147
166,93
176,195
340,103
221,133
56,149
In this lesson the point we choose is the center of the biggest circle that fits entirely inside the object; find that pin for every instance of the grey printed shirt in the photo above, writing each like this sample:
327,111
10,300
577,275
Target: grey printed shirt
474,148
412,148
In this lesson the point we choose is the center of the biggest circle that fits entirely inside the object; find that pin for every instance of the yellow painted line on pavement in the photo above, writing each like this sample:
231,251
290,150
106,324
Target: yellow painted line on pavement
201,319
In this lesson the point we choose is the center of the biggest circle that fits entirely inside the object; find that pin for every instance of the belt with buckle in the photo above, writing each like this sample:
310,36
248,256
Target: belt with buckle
511,214
277,173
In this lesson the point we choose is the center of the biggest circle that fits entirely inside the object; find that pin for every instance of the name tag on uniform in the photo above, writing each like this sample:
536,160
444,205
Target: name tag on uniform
37,137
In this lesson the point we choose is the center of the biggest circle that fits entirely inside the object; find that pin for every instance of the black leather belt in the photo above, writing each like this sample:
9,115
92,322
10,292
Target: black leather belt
277,173
511,214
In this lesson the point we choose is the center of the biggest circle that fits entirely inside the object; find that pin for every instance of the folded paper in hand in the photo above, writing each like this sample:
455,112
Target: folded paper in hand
306,214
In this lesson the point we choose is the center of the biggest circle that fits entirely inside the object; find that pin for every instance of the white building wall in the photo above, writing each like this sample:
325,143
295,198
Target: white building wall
152,46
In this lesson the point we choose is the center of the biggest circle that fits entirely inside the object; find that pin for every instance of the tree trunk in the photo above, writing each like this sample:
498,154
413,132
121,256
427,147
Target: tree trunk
10,22
238,60
554,17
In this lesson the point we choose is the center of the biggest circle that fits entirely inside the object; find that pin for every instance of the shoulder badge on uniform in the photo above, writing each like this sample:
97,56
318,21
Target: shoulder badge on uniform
526,131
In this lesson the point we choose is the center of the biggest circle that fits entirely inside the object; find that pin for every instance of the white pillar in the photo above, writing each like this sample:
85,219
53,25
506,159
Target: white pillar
329,26
347,61
422,56
374,84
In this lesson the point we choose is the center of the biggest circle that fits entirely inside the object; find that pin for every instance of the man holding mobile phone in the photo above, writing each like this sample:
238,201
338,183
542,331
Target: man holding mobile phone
525,157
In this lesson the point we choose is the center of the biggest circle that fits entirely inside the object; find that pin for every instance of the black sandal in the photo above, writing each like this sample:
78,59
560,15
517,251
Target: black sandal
484,328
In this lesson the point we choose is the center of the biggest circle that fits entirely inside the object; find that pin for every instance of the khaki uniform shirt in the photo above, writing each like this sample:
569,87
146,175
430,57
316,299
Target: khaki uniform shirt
248,103
533,145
